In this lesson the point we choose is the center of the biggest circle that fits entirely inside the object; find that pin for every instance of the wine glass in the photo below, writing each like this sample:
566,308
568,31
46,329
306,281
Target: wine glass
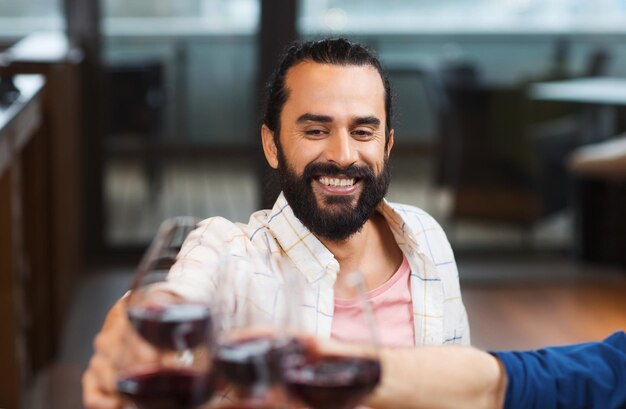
178,376
333,381
257,317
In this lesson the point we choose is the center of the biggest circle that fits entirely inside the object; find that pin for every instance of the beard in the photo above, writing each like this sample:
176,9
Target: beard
339,218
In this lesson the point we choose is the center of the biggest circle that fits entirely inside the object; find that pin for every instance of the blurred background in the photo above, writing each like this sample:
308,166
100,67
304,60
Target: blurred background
115,115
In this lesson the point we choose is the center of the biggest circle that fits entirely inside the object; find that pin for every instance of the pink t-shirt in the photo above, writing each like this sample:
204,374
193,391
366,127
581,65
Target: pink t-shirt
393,311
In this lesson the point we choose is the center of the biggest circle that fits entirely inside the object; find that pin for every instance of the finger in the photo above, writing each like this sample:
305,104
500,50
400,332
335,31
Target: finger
140,350
121,345
339,348
102,374
94,397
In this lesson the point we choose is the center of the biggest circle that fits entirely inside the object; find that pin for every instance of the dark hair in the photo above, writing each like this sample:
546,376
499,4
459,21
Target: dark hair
335,51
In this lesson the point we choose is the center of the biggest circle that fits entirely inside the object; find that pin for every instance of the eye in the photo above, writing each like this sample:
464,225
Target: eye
315,132
362,133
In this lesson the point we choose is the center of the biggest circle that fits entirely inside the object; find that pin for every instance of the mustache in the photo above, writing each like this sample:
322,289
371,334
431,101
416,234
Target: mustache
329,169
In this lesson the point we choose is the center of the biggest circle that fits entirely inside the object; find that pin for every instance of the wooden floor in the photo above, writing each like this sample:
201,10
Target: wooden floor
526,316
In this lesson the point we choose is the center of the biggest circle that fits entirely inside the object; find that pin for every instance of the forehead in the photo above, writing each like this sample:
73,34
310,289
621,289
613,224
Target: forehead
340,89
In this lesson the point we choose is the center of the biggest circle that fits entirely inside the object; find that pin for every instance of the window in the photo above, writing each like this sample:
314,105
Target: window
232,16
187,70
433,16
19,18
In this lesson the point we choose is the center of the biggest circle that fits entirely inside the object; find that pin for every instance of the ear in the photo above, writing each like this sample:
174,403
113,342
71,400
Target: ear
269,146
390,142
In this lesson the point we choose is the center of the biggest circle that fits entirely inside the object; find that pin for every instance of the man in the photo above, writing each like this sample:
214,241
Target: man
327,130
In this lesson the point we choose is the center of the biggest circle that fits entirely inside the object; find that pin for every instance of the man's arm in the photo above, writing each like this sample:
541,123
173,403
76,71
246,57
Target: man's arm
439,377
589,376
586,376
434,377
189,279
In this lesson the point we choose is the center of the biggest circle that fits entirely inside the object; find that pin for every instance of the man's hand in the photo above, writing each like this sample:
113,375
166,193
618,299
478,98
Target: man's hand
437,377
115,347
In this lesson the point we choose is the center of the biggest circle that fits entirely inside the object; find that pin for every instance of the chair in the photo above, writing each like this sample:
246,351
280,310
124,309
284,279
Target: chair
484,157
600,200
556,129
505,155
136,100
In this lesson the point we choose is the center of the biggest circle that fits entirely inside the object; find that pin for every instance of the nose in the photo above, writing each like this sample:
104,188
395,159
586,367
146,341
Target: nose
340,149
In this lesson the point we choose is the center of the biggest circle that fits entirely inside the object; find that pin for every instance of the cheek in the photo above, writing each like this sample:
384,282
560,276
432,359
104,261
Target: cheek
375,158
301,156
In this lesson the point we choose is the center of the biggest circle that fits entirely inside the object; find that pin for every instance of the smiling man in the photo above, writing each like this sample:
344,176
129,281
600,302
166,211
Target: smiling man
337,143
327,130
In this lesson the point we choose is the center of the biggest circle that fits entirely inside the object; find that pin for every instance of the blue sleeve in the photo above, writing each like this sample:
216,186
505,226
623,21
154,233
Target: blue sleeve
589,376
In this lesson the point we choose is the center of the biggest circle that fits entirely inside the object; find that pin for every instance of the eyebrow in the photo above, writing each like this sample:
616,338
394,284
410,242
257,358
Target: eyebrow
361,120
366,120
314,118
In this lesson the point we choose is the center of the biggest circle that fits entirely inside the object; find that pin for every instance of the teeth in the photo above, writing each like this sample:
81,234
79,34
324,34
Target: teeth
336,182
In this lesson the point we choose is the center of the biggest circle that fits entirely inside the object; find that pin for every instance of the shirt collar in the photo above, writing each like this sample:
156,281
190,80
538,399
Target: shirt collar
402,232
309,255
305,250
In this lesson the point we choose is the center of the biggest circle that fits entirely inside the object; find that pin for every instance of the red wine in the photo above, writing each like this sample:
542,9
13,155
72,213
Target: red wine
167,389
333,382
254,361
176,327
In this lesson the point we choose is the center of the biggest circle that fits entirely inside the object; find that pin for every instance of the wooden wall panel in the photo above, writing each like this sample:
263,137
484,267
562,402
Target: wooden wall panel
9,362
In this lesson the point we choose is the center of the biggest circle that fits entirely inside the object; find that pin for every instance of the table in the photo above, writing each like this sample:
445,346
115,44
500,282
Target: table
598,199
600,95
19,123
593,90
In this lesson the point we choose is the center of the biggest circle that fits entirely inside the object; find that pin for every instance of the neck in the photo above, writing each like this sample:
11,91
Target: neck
348,252
373,251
